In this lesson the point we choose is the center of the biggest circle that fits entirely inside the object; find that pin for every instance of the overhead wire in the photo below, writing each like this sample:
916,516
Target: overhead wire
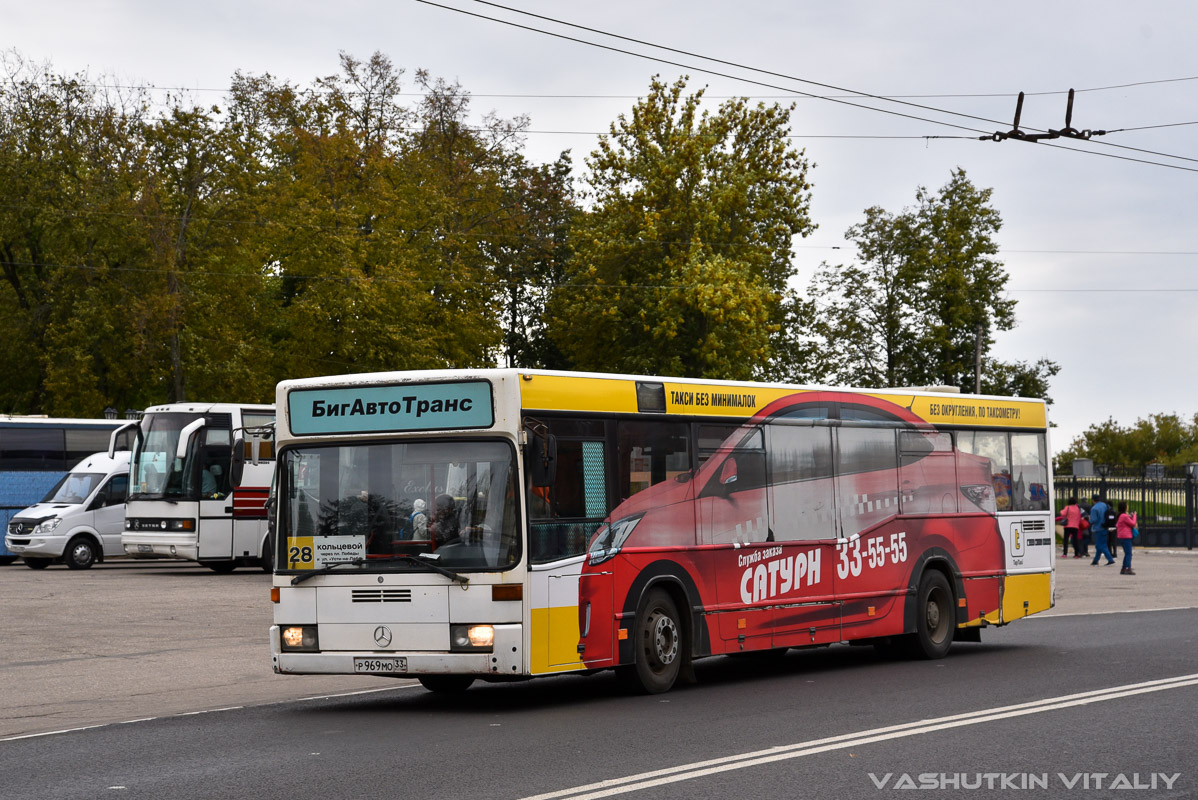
717,73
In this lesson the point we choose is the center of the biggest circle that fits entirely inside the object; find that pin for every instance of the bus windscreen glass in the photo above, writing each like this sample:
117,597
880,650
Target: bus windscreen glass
374,502
157,472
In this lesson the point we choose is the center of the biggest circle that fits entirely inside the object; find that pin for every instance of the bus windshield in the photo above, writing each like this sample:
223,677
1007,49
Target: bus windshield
454,499
156,471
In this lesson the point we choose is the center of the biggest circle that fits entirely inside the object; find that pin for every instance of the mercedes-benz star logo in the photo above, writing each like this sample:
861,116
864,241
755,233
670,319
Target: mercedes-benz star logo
382,636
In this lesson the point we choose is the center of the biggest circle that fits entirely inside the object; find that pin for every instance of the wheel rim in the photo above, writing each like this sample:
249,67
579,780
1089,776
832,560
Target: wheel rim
663,633
936,616
81,553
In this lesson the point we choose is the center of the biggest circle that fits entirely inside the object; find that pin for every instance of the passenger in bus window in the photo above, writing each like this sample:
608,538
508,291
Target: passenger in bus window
444,522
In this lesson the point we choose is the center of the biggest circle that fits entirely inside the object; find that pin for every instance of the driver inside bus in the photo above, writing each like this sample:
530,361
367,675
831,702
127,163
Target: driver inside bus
210,482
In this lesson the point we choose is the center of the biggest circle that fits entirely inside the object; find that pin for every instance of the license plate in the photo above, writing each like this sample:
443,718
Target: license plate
145,548
380,665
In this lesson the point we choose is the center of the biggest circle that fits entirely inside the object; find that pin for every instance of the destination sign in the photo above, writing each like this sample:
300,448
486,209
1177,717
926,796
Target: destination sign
398,407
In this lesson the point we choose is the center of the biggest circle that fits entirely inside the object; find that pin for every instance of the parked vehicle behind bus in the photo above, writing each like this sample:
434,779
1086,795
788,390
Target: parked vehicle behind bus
79,521
199,481
35,452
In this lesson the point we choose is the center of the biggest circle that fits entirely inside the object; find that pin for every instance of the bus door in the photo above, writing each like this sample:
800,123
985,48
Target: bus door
873,564
733,510
215,531
800,575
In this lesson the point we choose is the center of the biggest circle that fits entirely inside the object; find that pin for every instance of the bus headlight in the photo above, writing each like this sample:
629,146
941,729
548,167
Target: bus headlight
472,638
300,637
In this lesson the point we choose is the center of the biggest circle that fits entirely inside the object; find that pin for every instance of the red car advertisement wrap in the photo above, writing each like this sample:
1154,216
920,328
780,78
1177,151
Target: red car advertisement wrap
796,532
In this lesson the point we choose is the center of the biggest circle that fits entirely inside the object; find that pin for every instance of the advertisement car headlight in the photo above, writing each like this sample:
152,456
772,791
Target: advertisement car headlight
610,538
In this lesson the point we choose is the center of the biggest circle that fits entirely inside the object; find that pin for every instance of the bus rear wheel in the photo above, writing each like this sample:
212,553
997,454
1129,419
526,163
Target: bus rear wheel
935,618
446,684
659,643
37,563
6,560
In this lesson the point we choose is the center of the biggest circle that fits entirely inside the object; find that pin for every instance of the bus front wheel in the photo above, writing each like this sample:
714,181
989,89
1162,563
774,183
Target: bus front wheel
446,684
935,617
658,641
80,553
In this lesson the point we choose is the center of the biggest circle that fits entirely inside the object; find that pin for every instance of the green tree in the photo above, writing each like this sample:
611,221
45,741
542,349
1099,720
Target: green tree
928,293
1161,438
680,265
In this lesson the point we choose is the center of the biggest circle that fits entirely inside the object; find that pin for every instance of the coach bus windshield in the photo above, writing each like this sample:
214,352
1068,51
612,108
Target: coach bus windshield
156,472
371,502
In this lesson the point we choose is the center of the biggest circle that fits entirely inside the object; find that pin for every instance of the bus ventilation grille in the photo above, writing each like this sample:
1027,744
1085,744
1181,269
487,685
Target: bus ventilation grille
382,595
1034,526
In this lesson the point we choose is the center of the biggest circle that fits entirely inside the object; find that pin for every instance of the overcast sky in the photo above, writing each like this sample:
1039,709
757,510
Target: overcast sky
1101,250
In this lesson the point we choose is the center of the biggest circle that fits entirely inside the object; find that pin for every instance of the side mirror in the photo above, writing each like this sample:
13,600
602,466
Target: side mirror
100,502
728,472
542,459
237,462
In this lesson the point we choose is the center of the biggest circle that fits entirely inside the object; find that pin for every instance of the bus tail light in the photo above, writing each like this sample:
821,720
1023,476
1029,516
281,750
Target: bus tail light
300,638
274,594
471,638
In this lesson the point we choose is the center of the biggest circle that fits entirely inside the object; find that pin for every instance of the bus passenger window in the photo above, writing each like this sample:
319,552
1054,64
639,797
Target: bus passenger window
991,446
649,453
1029,489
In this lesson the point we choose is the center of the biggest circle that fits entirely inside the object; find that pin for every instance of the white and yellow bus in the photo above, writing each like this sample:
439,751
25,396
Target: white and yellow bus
502,524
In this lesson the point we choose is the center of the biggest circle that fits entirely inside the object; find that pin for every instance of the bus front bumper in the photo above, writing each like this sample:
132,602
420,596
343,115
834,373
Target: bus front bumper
156,546
503,660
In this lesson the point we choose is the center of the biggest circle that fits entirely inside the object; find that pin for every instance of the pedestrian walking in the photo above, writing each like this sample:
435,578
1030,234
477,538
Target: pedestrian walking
1125,532
1084,533
1099,530
1071,519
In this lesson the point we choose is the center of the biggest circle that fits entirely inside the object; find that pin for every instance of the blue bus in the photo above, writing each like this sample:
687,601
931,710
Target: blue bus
37,452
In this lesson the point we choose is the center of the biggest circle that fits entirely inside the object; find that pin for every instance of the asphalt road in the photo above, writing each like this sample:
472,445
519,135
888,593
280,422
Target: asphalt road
828,723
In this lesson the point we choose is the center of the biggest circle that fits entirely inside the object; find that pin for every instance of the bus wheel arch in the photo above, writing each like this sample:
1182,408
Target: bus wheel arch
82,551
673,579
659,643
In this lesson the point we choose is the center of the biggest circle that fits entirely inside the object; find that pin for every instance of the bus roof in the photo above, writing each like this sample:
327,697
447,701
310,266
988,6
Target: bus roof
611,393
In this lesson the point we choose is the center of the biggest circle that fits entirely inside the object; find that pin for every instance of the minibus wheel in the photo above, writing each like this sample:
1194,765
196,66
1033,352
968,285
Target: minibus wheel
80,553
935,617
658,641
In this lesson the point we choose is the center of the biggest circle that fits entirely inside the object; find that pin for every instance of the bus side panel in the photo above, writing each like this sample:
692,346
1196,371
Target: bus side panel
553,632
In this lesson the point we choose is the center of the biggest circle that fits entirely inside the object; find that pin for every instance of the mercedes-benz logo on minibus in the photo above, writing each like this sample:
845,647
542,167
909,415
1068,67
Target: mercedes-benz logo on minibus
382,636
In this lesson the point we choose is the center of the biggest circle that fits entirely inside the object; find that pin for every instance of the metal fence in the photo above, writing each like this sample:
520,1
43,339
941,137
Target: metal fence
1162,497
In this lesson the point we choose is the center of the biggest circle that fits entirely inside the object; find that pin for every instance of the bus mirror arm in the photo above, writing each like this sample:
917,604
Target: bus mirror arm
237,461
542,459
116,435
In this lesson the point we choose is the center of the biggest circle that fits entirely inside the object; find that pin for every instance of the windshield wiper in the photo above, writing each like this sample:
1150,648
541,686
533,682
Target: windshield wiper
357,562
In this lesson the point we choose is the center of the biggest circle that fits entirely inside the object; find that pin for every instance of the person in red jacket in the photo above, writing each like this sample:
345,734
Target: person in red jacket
1071,518
1125,531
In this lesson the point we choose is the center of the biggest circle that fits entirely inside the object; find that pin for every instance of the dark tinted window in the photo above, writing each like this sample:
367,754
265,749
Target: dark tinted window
800,453
865,450
35,448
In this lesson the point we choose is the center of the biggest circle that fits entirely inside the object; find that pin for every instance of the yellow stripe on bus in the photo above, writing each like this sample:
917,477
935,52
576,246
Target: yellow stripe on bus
618,395
564,393
555,640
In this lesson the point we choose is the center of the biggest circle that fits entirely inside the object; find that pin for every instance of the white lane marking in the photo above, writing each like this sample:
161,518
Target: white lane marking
1050,615
647,780
205,711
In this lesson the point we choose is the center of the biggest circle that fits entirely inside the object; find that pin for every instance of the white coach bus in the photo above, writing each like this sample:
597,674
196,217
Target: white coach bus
199,480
